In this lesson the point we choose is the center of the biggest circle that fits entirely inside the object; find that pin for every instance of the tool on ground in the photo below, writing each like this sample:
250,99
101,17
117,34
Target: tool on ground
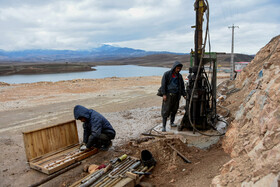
117,174
149,133
97,176
120,174
119,159
141,173
179,153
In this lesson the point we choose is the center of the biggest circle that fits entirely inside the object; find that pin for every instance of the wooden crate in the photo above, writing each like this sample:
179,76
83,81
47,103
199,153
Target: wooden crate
53,148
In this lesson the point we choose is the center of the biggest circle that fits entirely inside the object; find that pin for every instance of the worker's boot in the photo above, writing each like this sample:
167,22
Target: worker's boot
164,120
106,146
172,119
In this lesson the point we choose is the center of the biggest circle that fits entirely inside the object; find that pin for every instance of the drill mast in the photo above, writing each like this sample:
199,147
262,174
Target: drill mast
201,94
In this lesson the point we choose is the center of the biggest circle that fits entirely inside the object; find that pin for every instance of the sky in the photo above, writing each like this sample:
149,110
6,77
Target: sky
151,25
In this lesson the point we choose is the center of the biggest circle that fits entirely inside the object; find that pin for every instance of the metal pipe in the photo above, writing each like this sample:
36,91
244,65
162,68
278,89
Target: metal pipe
93,179
149,169
106,179
92,175
117,175
114,182
114,176
121,168
132,167
125,167
144,169
135,165
116,171
108,182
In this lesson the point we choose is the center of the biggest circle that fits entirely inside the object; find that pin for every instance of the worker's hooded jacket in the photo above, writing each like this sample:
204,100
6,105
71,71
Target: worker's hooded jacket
166,80
95,123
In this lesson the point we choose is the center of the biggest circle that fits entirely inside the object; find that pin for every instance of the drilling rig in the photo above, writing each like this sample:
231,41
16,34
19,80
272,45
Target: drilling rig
200,109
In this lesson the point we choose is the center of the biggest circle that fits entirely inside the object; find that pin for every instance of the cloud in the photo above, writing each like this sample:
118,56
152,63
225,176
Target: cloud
173,42
150,25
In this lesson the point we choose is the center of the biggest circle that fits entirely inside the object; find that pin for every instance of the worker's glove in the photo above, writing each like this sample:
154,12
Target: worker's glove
83,147
82,144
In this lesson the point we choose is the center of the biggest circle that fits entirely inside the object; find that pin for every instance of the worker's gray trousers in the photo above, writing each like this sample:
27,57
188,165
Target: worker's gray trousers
170,107
103,139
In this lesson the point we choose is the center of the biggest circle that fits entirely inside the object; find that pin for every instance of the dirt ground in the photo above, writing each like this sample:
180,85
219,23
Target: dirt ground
132,107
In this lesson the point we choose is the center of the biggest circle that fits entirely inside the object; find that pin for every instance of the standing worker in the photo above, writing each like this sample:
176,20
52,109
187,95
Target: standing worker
172,87
98,132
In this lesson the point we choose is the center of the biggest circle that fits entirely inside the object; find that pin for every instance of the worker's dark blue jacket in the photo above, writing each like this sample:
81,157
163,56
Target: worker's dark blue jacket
95,123
166,79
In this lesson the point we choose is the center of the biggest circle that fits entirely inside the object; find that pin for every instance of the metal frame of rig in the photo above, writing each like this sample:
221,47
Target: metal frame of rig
201,91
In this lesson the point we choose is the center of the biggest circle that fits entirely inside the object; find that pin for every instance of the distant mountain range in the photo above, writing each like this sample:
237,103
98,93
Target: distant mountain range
104,52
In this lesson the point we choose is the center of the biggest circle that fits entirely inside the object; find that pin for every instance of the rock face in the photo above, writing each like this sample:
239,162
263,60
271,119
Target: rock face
253,138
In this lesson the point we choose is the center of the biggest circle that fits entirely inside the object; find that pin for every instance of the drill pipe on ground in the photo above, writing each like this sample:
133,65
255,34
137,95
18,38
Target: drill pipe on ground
120,176
105,178
149,169
132,167
92,175
117,174
97,176
121,169
100,179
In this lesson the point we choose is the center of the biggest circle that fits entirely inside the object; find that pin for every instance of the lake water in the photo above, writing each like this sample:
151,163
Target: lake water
101,72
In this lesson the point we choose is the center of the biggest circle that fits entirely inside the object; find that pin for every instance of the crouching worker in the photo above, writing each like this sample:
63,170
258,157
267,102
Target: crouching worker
98,131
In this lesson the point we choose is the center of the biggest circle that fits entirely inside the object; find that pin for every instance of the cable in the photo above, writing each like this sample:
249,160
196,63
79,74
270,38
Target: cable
228,111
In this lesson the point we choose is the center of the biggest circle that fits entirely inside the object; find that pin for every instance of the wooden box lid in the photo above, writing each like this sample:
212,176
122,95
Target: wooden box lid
50,139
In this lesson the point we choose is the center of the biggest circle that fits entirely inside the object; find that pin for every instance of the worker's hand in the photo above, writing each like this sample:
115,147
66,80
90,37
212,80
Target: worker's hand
83,148
82,144
164,97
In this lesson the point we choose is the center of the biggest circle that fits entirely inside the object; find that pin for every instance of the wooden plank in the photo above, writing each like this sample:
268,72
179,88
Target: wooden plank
131,175
57,155
26,146
41,164
48,155
87,154
55,175
179,153
78,158
126,182
55,169
51,126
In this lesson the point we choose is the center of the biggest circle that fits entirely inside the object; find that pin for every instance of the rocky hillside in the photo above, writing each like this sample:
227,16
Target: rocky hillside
253,137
